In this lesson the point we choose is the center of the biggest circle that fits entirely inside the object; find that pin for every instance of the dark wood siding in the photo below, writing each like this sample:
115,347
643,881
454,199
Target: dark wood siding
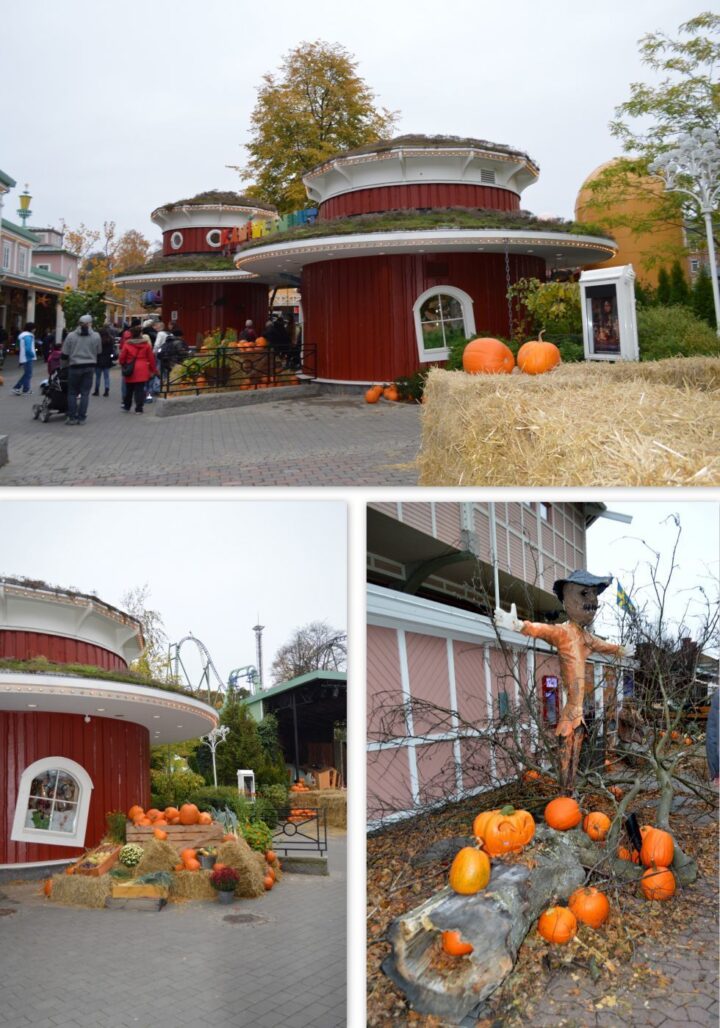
420,195
359,311
203,306
194,241
116,756
26,645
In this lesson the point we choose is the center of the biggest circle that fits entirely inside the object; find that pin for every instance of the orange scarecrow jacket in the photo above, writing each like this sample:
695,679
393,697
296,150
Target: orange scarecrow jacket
574,645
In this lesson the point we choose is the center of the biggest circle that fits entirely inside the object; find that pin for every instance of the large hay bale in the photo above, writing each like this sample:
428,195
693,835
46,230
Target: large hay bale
191,885
81,890
239,855
332,801
624,424
158,856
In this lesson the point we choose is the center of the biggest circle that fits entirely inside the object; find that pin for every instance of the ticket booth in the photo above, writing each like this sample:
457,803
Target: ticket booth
551,699
607,299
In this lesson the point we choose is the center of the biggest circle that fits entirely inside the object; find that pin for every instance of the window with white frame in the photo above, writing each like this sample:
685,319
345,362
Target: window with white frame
43,267
53,803
6,255
443,316
22,260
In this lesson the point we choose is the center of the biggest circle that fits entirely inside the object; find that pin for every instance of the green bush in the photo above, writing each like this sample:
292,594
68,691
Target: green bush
116,825
276,794
171,789
220,796
673,331
257,835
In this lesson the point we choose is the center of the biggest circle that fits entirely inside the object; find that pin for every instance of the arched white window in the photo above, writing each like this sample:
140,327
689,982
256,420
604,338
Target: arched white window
442,316
214,237
176,240
53,803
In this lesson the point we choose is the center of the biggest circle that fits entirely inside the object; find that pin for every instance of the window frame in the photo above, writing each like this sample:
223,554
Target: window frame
466,303
43,836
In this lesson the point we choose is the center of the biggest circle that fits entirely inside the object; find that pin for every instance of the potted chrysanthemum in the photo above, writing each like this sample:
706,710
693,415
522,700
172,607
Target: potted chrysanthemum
224,880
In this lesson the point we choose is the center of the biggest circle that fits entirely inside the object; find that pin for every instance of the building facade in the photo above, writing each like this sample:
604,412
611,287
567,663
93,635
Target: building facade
439,676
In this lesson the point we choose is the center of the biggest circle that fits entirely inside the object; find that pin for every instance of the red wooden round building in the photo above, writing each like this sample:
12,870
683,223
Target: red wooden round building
416,242
201,289
76,746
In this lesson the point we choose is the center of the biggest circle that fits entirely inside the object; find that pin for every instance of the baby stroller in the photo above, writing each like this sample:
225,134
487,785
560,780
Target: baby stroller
54,391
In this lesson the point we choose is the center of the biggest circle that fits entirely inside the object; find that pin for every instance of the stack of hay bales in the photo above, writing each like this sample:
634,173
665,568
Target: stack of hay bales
589,424
249,865
158,856
332,801
80,890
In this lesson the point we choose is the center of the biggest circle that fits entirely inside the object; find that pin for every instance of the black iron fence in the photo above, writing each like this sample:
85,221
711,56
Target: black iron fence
300,830
237,368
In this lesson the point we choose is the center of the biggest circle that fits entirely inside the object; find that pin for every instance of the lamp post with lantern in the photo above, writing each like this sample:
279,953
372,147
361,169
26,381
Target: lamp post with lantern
693,167
212,740
24,211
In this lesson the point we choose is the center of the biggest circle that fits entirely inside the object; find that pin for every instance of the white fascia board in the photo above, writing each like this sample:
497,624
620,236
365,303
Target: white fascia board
169,277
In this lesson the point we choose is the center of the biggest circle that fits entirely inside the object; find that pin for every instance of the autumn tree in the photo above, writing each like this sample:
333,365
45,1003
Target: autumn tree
103,255
316,106
686,96
153,661
315,647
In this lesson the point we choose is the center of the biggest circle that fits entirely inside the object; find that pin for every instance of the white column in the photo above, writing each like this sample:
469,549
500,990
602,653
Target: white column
30,309
59,321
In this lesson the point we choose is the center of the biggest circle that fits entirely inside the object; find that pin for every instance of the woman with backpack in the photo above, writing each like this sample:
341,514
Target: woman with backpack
137,363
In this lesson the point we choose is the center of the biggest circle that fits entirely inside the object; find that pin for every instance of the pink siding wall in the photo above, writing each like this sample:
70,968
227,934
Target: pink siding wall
388,782
436,771
417,515
470,682
447,517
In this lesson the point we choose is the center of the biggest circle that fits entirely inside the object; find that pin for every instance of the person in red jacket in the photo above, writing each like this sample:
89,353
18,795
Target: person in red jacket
136,354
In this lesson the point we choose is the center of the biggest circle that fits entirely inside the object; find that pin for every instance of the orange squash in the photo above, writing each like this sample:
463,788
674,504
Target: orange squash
453,944
616,791
391,394
658,883
625,854
188,854
204,818
563,813
171,812
558,924
657,848
153,813
508,831
481,821
590,906
135,812
469,872
270,857
487,356
538,356
159,834
596,825
192,865
373,394
268,883
531,776
189,814
47,887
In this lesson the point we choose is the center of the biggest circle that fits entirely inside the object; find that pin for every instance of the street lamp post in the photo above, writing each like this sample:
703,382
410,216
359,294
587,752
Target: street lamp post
693,167
212,740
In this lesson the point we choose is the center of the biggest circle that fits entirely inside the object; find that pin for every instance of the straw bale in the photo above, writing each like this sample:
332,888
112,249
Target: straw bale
589,424
158,856
333,802
81,890
191,885
240,856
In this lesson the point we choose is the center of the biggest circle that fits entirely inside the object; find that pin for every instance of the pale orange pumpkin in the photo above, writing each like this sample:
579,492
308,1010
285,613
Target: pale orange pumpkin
268,882
487,356
171,812
153,813
391,394
204,818
558,924
135,812
596,825
192,865
625,854
373,394
189,814
538,356
453,944
159,834
590,906
658,883
657,848
481,821
563,813
469,871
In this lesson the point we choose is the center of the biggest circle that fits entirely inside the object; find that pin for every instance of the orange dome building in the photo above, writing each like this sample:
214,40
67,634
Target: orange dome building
647,251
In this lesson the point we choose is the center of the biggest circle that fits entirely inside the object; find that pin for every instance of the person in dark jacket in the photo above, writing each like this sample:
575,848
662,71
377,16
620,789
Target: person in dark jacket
711,738
105,360
137,352
81,348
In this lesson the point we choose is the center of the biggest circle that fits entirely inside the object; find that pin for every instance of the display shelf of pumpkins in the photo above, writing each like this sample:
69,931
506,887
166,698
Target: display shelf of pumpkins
185,826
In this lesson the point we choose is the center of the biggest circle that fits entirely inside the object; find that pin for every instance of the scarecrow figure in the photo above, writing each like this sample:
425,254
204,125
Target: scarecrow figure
574,643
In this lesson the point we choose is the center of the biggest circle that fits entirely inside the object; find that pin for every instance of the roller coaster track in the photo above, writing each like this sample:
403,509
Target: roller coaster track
202,687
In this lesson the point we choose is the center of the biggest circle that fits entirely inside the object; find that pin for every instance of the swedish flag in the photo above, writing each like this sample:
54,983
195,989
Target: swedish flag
623,600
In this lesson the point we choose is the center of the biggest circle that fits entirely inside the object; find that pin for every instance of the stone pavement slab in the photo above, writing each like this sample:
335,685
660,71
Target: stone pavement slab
316,441
67,967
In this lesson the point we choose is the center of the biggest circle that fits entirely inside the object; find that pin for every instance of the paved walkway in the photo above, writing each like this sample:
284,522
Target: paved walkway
66,967
321,441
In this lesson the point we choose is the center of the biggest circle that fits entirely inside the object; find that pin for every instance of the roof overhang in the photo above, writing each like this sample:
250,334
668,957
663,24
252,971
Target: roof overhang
168,716
558,249
172,277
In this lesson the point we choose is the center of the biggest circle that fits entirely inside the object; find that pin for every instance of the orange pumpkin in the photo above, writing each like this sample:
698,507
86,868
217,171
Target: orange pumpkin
171,812
616,791
159,834
260,342
532,776
218,866
192,865
558,924
454,945
563,813
153,813
590,906
538,356
159,822
179,867
189,814
391,394
596,825
508,831
47,887
144,821
688,741
658,883
469,872
135,812
188,854
204,818
229,838
657,848
270,857
272,874
625,854
175,820
373,394
268,883
487,357
481,821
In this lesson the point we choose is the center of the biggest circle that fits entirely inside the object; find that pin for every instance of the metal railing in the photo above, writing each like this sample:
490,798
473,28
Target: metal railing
235,368
304,832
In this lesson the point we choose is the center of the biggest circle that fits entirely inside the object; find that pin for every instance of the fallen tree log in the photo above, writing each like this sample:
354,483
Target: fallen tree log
494,921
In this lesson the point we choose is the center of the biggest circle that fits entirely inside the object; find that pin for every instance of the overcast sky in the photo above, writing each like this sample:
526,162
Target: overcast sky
619,550
118,109
213,567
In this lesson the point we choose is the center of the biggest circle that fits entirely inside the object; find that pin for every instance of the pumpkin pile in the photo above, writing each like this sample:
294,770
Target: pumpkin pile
188,814
389,392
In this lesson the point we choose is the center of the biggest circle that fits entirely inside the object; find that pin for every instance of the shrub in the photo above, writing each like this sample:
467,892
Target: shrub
220,796
673,331
116,824
131,855
276,794
257,835
225,879
172,789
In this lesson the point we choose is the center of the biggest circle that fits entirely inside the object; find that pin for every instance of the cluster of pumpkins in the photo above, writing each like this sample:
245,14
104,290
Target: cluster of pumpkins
486,356
677,737
187,814
508,831
235,344
390,392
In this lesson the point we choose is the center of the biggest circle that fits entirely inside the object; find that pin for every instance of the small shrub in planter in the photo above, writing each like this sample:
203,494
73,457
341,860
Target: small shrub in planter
131,855
225,880
257,835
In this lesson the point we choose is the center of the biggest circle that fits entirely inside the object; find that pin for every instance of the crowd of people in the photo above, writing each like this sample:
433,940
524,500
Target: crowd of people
146,351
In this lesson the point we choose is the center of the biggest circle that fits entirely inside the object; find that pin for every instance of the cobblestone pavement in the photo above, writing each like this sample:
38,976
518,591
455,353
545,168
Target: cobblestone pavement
320,441
66,967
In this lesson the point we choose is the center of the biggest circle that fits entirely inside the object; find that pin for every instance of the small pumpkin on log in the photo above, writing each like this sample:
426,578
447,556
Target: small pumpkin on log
504,831
469,872
558,924
590,906
563,813
453,944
